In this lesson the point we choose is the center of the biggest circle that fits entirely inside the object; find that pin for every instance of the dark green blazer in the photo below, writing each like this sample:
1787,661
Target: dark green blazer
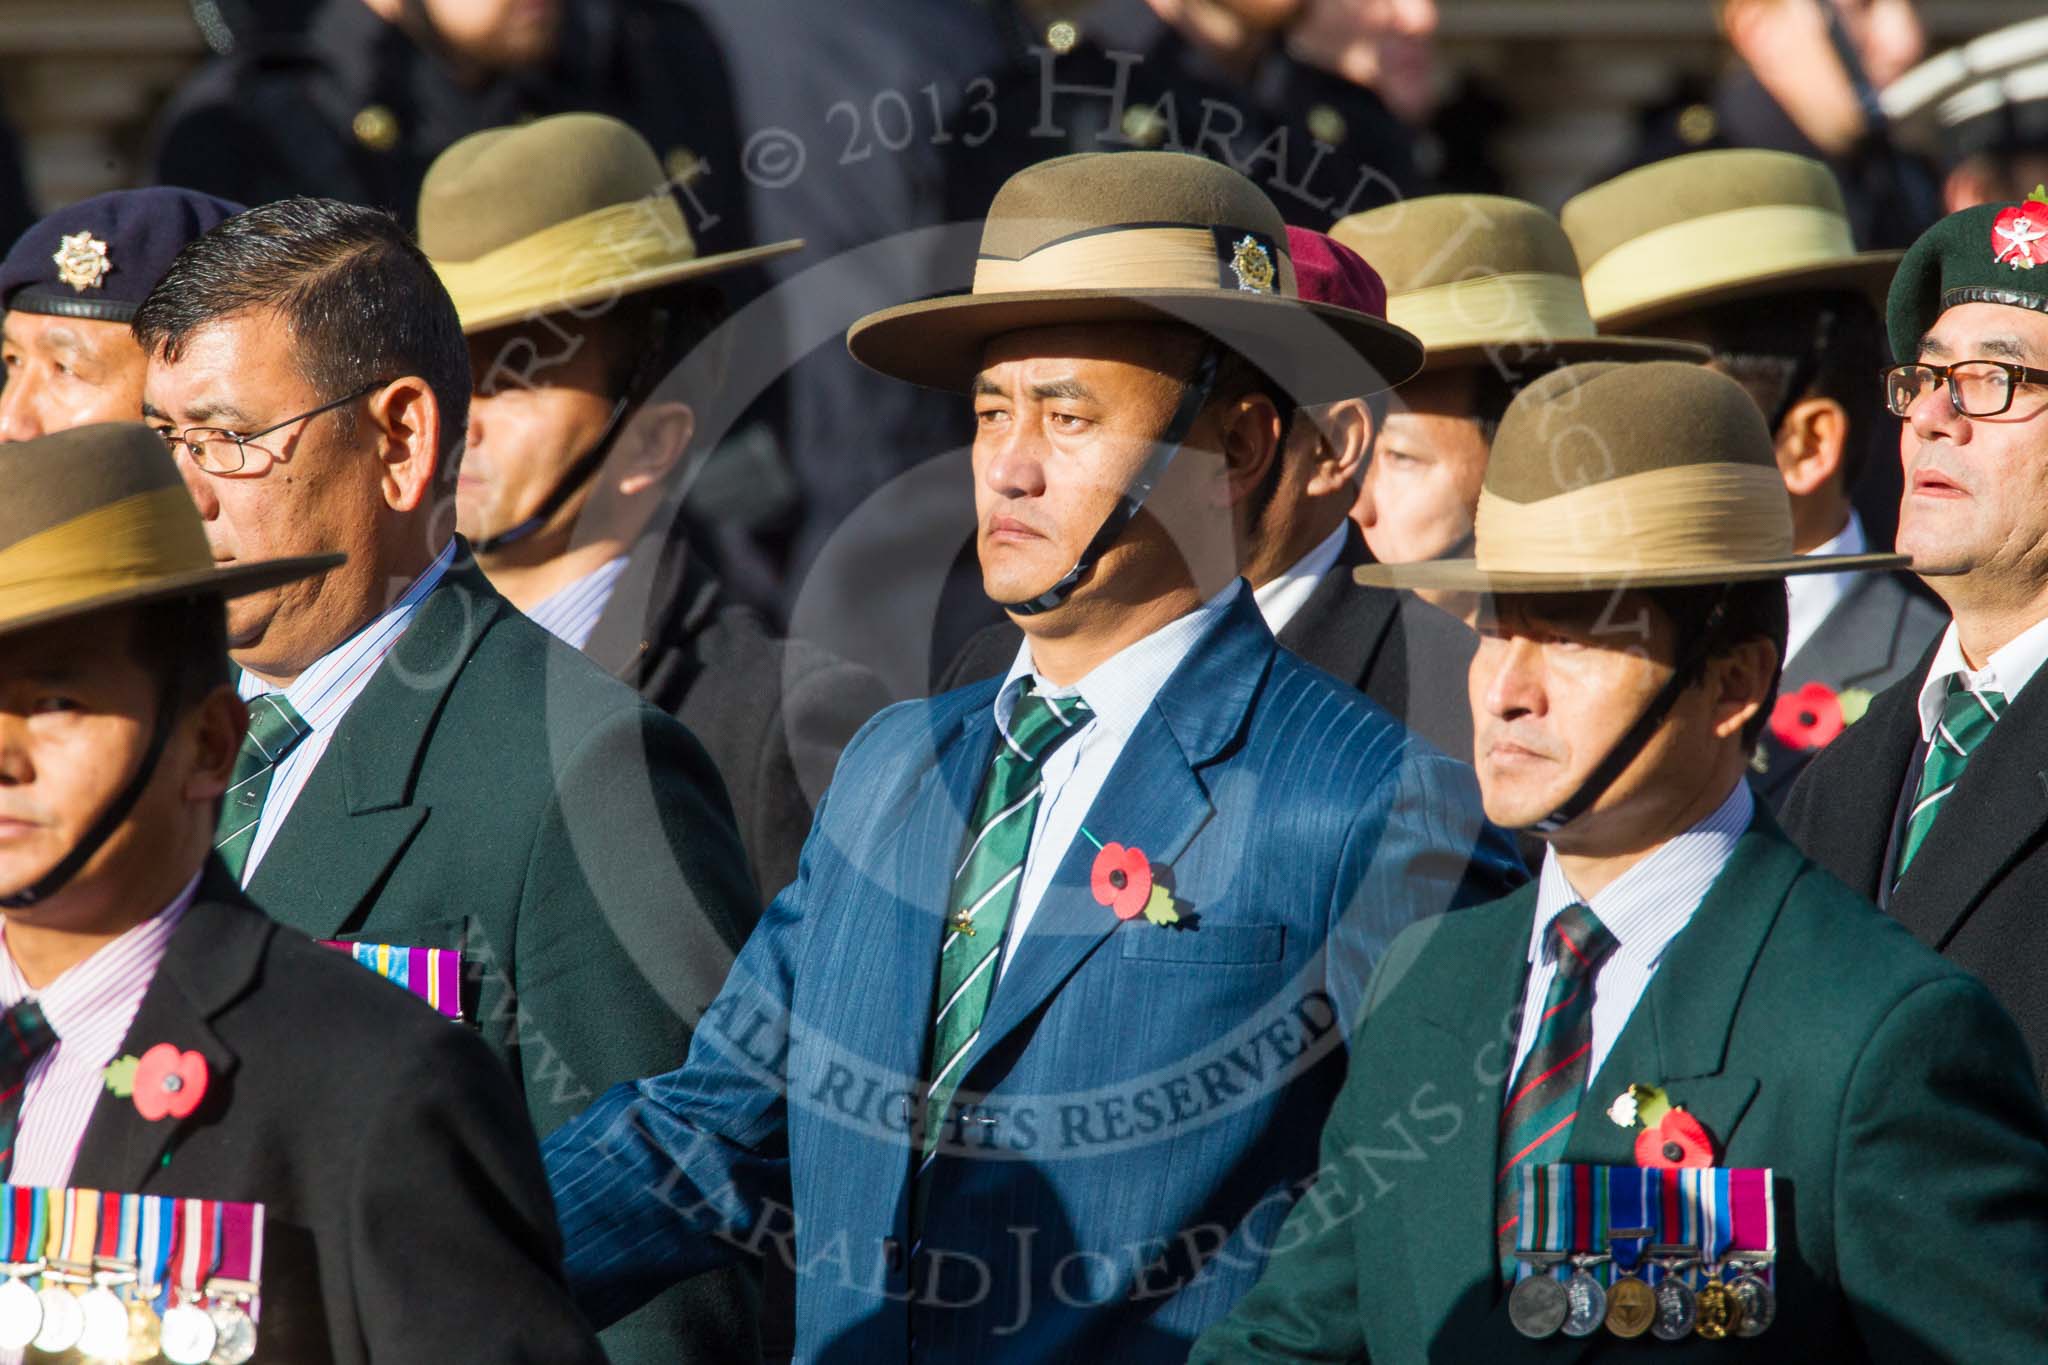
1809,1033
492,790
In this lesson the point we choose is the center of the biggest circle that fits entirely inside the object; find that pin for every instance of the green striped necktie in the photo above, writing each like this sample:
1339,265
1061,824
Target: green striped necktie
275,729
1966,718
984,892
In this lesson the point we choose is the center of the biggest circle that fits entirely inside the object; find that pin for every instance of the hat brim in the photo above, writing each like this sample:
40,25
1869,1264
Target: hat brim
486,312
1868,273
1532,354
1317,351
238,581
1465,575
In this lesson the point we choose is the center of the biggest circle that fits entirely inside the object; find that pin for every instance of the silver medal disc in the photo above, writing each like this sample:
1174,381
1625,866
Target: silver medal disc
63,1320
188,1335
105,1334
1677,1310
1759,1304
1586,1304
1538,1306
21,1315
236,1335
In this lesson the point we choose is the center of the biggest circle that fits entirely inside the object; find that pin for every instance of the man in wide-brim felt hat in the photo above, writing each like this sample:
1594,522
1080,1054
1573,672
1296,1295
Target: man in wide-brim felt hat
1034,911
1680,987
395,1167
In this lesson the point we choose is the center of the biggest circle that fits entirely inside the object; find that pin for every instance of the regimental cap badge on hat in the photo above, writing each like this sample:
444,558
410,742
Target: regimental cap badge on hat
1139,237
1991,253
1611,476
2019,234
564,212
1711,227
1484,279
98,517
81,260
99,258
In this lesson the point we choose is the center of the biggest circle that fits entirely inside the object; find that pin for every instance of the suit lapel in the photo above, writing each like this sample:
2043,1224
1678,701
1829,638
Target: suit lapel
212,958
1341,627
1852,837
1857,641
356,815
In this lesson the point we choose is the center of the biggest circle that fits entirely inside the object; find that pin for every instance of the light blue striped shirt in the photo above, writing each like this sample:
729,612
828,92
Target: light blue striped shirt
1644,908
570,613
322,695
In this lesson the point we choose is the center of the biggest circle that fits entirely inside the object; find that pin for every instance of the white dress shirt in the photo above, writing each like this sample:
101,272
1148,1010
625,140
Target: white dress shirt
2007,671
570,613
1812,596
1119,691
1280,600
322,695
1644,908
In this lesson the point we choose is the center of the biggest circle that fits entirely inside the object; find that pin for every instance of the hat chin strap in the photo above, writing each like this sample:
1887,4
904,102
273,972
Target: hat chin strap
1193,399
111,819
1639,734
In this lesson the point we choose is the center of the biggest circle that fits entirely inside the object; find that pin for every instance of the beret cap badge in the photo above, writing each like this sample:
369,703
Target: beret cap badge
2019,234
1253,266
81,261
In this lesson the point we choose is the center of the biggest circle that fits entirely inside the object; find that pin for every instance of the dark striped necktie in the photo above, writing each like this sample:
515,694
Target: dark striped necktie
984,892
1966,719
275,729
24,1036
1544,1099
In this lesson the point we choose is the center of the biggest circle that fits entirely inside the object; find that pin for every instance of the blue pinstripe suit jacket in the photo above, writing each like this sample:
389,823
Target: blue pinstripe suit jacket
1142,1107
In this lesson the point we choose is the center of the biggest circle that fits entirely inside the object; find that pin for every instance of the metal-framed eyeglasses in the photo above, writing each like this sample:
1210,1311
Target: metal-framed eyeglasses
1976,388
216,450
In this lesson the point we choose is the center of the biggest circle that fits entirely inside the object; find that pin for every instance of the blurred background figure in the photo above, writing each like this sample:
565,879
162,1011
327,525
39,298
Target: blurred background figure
15,211
1981,111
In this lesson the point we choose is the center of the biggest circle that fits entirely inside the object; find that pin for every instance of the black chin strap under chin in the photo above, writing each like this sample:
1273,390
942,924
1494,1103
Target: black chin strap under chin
1629,745
573,478
1192,400
111,819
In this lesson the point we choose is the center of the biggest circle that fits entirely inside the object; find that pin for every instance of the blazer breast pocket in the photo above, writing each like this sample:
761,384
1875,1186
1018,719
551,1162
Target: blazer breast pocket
1213,945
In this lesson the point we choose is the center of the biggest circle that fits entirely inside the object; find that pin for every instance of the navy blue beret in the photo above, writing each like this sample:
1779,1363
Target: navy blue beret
100,257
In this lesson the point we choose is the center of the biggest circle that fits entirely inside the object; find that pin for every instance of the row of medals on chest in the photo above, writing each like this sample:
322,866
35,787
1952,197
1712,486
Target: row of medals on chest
104,1314
1671,1310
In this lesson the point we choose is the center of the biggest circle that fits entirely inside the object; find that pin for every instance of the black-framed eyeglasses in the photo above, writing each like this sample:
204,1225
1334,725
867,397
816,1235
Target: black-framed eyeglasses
1977,388
216,450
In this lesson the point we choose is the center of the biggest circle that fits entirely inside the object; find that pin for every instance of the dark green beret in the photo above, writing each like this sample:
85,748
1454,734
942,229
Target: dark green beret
1986,254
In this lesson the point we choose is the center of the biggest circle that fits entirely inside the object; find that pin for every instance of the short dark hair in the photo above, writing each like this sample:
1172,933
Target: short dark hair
361,300
183,645
1785,348
647,335
1755,610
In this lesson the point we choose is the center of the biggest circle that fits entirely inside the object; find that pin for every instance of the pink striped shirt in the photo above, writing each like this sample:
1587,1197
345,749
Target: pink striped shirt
90,1006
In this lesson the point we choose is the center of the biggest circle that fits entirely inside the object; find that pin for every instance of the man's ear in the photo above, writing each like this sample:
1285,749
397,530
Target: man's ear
1740,679
408,418
1346,431
654,441
1251,439
217,725
1811,443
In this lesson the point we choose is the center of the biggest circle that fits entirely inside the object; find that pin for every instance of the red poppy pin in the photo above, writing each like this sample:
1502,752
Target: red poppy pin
2018,233
1813,716
1122,880
163,1082
1669,1136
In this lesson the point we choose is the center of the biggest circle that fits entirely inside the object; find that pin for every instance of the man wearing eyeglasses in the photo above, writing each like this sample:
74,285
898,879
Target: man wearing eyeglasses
427,768
1935,805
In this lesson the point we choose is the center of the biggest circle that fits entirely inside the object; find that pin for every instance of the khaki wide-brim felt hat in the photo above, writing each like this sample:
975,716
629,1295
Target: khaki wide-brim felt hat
1613,476
1121,237
564,212
1486,280
98,517
1713,227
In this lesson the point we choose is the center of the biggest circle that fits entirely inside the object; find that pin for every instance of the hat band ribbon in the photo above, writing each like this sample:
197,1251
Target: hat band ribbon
1503,310
1686,517
574,258
1124,259
133,543
1719,249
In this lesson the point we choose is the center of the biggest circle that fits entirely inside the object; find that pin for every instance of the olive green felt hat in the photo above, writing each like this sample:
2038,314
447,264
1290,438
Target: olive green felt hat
1993,253
98,517
1120,237
564,212
1608,475
1711,227
1483,279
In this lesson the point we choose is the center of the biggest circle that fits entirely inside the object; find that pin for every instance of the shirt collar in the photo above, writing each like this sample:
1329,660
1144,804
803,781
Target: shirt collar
1646,906
1120,688
83,998
2006,671
1294,584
